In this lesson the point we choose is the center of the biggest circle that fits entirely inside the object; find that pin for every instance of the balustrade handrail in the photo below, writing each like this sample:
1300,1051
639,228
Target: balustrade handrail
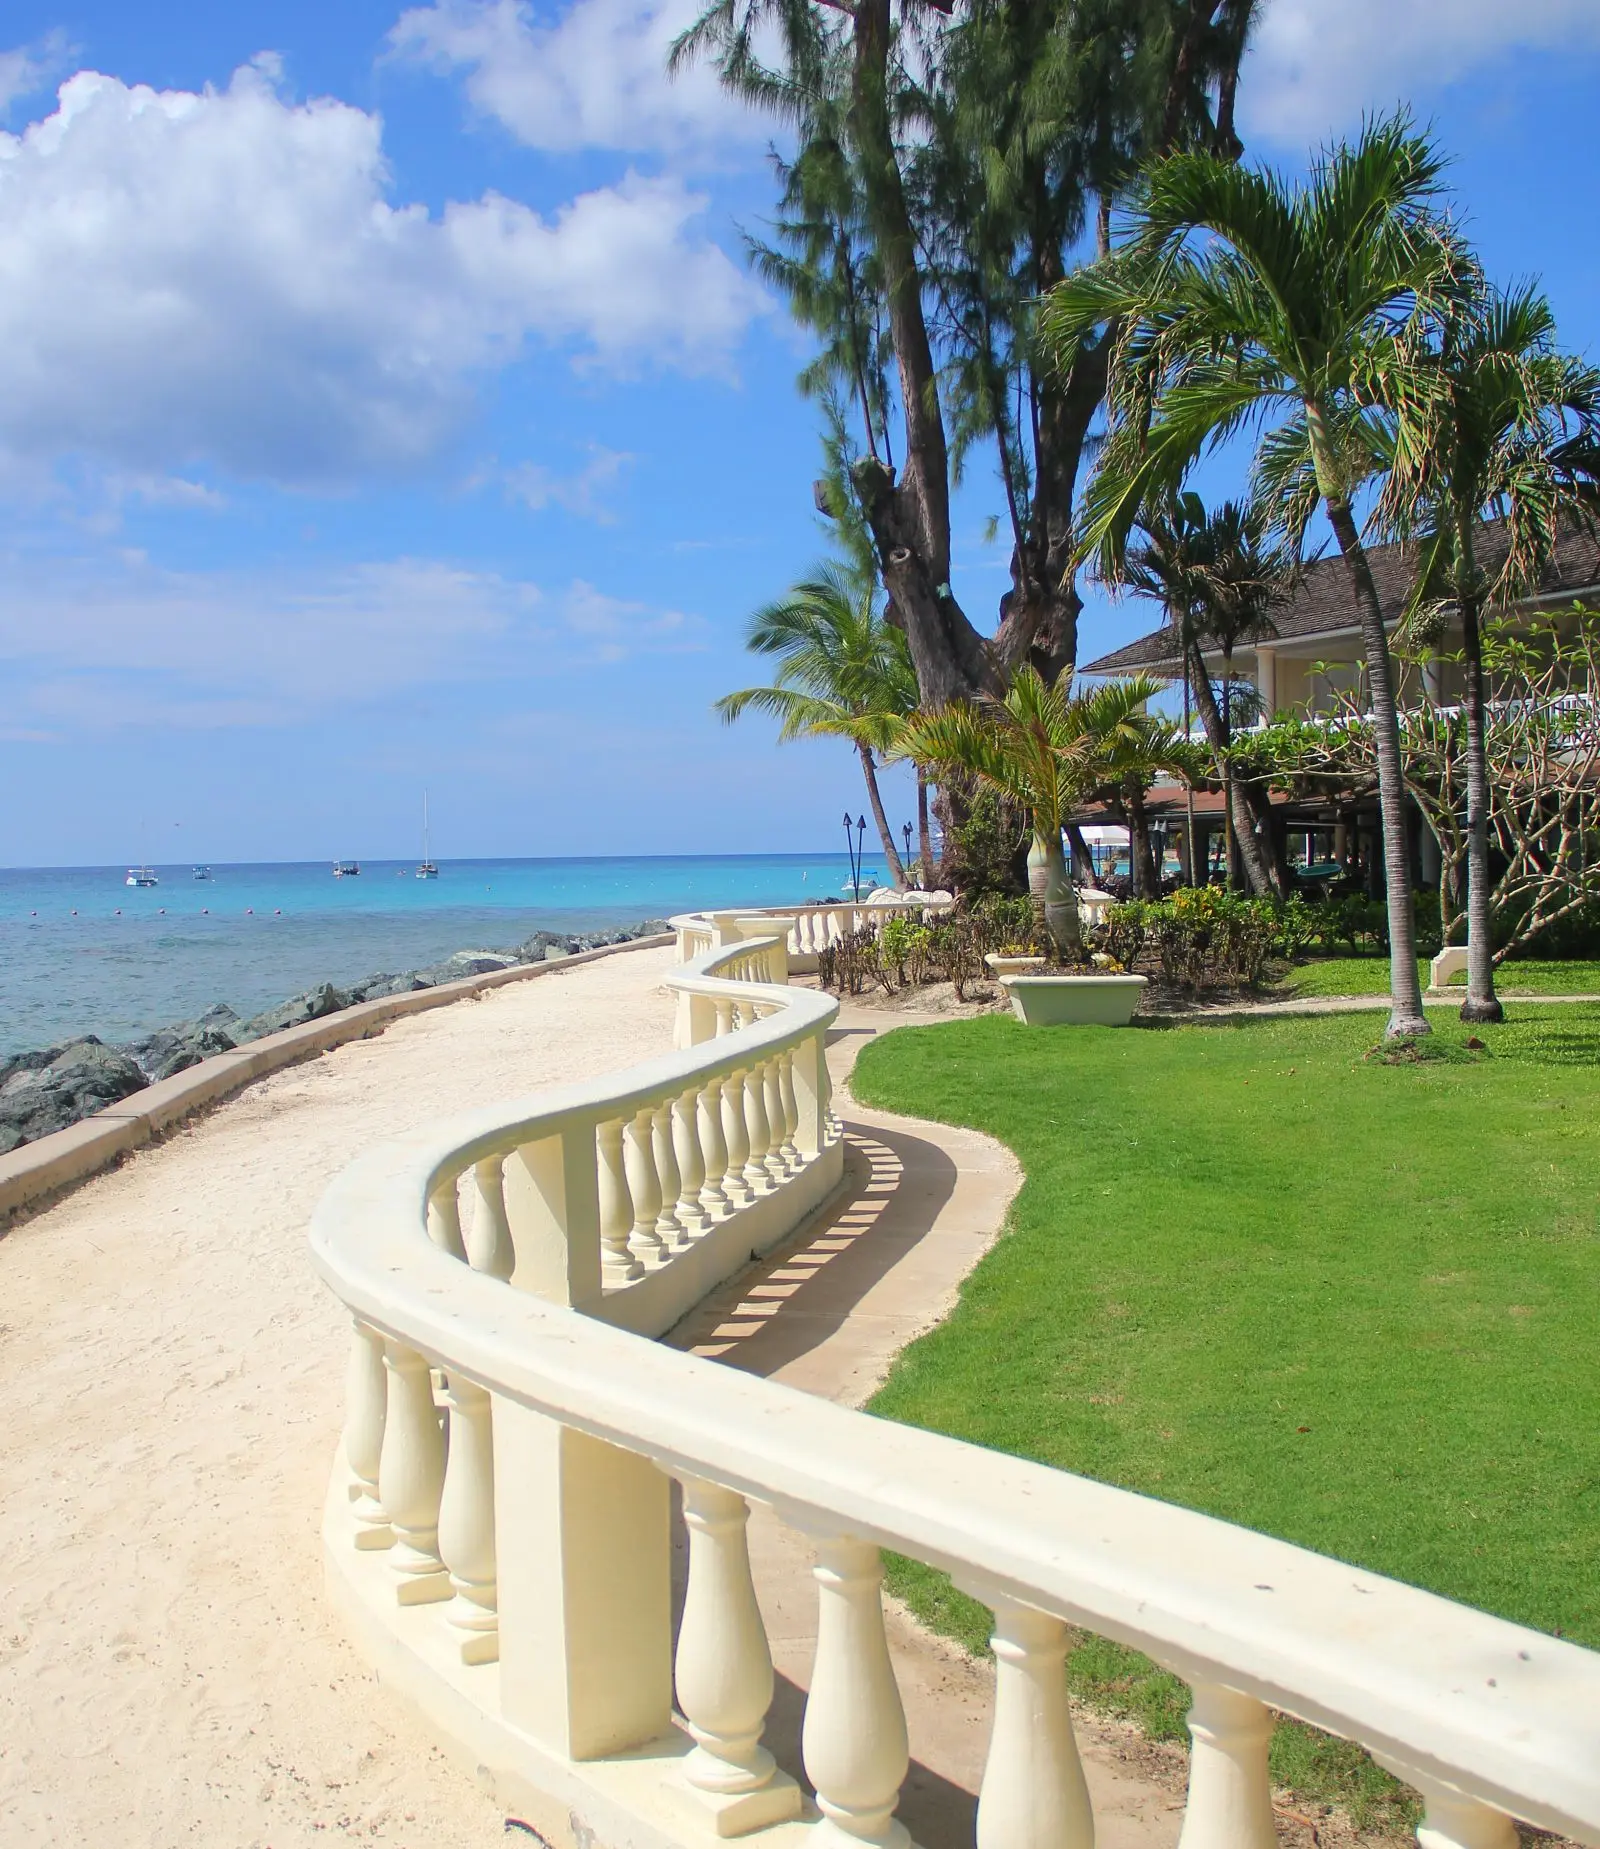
1475,1706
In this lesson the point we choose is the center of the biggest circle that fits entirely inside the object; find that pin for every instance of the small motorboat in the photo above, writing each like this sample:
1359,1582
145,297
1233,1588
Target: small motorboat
202,873
141,876
346,869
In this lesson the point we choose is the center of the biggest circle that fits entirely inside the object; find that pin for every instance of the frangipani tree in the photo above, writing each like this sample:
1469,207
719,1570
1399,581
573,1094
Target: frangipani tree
1046,750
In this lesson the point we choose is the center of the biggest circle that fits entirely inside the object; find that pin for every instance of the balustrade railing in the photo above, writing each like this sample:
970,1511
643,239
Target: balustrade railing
510,1444
808,929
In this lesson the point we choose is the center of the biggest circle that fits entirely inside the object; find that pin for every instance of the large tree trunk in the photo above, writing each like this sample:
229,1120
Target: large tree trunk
1141,855
1406,1017
1482,1004
885,833
909,518
1244,799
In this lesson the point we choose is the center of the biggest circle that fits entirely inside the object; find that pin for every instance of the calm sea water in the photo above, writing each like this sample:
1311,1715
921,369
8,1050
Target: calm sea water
81,952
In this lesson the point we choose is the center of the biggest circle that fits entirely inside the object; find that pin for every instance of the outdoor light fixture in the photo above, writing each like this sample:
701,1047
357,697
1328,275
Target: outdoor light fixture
852,847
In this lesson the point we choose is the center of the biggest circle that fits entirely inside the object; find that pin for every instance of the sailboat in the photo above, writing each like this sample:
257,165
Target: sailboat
141,876
427,870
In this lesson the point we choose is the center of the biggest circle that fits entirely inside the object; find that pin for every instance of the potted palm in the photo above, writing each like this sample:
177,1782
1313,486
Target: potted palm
1045,749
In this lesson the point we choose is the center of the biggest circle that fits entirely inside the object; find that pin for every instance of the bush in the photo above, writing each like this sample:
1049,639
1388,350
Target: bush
1204,936
983,851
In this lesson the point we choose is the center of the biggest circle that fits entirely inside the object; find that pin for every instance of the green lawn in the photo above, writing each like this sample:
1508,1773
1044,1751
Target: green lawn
1257,1273
1370,976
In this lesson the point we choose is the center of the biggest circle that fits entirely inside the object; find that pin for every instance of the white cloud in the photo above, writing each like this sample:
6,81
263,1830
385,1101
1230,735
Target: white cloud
219,278
594,78
584,493
112,641
1317,65
29,68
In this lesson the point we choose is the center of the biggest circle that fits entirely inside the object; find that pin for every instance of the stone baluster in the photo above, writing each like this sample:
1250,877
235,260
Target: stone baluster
725,1020
713,1149
692,1215
825,1082
489,1249
756,1171
791,1110
1230,1795
411,1476
1451,1821
854,1738
644,1185
736,1135
618,1265
366,1408
444,1219
724,1669
669,1229
778,1165
1033,1795
466,1521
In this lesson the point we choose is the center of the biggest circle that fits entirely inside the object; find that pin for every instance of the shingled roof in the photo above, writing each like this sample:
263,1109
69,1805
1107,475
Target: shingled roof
1324,604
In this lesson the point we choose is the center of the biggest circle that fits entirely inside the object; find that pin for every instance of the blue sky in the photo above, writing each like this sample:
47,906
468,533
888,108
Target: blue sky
384,404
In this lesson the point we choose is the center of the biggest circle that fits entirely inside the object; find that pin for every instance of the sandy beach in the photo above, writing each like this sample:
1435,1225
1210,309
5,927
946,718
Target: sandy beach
173,1376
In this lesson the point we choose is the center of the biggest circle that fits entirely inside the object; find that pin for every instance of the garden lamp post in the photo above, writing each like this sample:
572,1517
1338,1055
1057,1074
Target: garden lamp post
905,829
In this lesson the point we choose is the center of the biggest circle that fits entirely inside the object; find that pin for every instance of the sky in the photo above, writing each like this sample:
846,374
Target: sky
386,407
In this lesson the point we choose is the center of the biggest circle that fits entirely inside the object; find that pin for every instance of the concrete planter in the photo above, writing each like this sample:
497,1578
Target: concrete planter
1013,966
1073,1001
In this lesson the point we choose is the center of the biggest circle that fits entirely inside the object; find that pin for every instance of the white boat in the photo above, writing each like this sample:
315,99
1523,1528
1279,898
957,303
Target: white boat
141,876
346,869
202,873
426,870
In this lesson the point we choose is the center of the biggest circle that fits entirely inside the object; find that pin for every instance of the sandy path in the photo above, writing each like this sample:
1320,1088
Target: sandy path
172,1376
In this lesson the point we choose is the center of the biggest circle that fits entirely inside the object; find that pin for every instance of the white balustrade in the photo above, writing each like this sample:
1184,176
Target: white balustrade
723,1668
644,1185
619,1264
411,1476
1230,1796
854,1738
1034,1795
531,1504
366,1406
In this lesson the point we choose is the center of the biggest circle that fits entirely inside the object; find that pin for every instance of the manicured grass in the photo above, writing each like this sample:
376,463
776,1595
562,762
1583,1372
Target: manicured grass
1370,976
1254,1272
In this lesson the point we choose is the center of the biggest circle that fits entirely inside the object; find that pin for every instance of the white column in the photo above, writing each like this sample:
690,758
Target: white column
736,1135
466,1521
617,1262
411,1476
807,1074
1454,1822
713,1148
639,1156
777,1129
692,1216
444,1219
724,1669
1267,679
854,1738
725,1020
1230,1796
366,1408
490,1249
756,1171
1034,1795
669,1229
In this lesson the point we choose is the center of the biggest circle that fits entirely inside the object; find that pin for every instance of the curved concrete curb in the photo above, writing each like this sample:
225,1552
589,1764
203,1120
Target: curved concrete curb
41,1170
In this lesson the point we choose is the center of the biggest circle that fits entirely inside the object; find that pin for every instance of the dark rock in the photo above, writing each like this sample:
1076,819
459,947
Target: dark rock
60,1085
314,1005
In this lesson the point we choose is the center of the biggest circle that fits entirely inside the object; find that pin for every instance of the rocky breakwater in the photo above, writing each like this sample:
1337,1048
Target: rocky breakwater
47,1090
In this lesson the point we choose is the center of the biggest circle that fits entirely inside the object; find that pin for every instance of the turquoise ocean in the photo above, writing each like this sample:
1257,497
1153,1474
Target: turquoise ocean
81,952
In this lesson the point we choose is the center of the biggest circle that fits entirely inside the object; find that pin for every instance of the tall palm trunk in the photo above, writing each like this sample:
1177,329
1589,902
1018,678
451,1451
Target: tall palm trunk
924,829
1050,887
1406,1015
875,802
1482,1004
1141,854
1242,798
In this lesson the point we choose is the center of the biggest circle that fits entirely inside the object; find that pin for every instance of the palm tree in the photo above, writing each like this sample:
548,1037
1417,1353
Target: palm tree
1489,418
1235,296
843,673
1220,576
1045,751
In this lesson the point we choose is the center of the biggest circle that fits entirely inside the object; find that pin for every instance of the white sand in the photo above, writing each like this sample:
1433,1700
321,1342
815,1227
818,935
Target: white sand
172,1376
